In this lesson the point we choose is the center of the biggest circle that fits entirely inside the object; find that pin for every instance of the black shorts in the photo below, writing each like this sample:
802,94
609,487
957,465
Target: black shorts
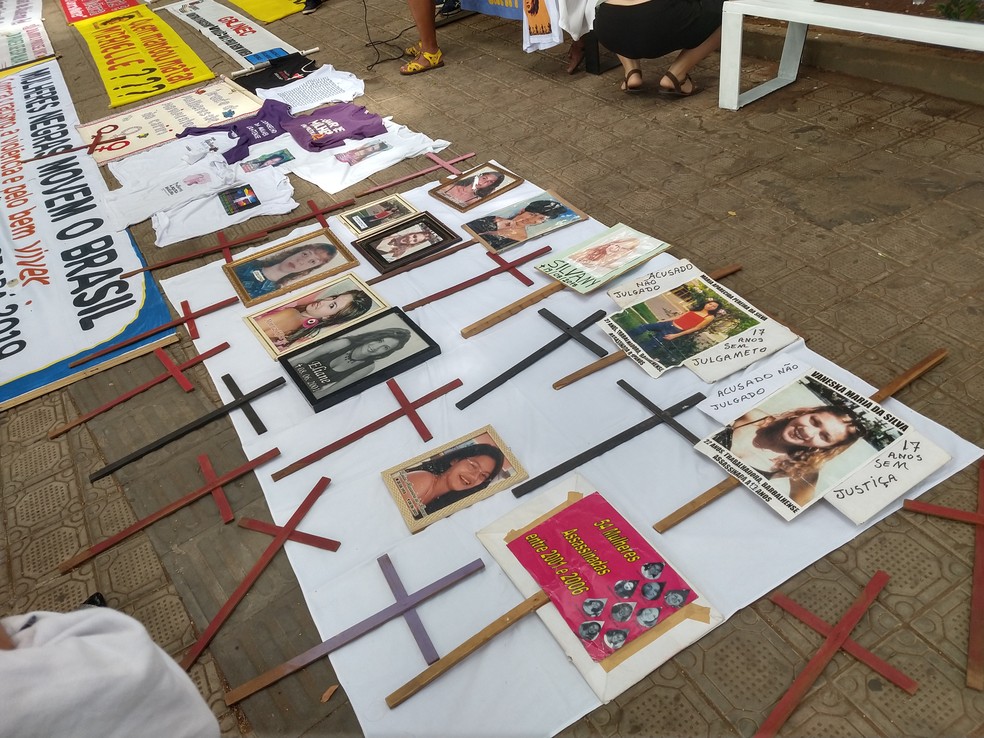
657,27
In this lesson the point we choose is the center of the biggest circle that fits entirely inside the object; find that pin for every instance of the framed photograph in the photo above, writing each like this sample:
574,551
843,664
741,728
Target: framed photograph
474,187
323,309
356,358
406,241
366,219
523,221
287,266
450,478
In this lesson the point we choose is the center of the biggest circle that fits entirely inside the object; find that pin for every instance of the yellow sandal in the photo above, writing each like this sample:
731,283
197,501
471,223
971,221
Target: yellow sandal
424,62
413,51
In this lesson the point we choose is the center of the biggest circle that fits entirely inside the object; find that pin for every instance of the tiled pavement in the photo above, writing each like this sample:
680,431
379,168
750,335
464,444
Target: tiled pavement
857,211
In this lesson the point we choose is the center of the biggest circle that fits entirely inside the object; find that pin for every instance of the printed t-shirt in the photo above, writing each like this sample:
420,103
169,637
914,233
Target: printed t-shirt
262,192
331,126
267,124
327,84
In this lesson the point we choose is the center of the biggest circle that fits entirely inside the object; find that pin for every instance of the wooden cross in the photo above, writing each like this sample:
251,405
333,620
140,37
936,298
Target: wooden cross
604,447
407,408
153,331
248,411
730,483
429,170
835,641
223,247
187,428
504,266
567,333
402,605
975,642
281,537
866,657
172,371
138,526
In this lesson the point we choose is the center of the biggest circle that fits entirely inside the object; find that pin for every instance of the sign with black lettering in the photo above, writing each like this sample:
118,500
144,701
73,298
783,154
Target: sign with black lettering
61,291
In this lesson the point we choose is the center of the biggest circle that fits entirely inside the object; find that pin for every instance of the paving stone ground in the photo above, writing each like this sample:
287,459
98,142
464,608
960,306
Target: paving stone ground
857,211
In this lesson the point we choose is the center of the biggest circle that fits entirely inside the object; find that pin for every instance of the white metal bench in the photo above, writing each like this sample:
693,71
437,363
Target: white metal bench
801,14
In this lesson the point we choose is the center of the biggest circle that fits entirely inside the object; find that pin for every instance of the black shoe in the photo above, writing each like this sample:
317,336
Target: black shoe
450,7
310,6
95,600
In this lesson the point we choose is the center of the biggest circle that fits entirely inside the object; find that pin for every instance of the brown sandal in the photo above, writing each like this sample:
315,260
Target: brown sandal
677,90
625,83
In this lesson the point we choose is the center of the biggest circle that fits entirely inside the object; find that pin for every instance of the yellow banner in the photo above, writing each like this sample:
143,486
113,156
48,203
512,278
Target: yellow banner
138,55
269,10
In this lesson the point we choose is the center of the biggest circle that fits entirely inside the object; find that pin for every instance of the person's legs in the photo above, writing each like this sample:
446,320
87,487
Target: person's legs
687,60
631,72
430,55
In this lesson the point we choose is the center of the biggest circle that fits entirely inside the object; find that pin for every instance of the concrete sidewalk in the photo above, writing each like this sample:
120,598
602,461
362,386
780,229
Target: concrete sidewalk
856,208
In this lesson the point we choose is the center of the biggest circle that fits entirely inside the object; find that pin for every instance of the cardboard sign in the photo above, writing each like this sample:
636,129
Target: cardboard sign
138,55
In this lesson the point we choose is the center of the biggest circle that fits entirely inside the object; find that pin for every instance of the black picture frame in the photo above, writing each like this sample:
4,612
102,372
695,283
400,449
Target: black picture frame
439,237
325,384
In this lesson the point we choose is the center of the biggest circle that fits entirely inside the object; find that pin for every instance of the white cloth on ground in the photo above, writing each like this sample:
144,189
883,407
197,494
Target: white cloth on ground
325,84
95,672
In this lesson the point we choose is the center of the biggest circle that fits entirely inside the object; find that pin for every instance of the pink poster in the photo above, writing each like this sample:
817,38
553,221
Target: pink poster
76,10
608,583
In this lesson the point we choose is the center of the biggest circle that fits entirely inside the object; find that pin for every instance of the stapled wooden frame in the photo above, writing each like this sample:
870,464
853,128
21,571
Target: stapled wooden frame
347,261
446,183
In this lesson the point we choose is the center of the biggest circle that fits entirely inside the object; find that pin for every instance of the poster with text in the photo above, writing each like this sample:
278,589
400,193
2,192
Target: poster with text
602,258
138,55
78,10
680,316
23,44
802,441
609,584
155,123
62,295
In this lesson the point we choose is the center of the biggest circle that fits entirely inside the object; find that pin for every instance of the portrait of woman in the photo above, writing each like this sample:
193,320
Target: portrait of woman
523,221
371,217
287,266
405,241
601,259
289,325
363,152
436,484
793,445
274,159
475,186
341,361
454,475
696,319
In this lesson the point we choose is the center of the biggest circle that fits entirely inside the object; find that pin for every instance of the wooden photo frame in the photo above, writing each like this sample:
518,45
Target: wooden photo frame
546,211
444,480
327,372
321,310
365,219
474,187
406,241
264,275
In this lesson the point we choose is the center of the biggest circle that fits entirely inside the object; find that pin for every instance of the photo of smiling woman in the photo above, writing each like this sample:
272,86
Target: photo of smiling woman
805,438
459,474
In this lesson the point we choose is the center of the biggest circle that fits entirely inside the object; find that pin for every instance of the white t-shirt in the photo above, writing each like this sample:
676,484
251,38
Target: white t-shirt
95,672
137,169
169,189
261,192
323,85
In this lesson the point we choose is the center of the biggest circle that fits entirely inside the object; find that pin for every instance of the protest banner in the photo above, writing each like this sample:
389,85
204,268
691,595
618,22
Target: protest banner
19,12
268,10
23,44
245,41
77,10
138,55
62,295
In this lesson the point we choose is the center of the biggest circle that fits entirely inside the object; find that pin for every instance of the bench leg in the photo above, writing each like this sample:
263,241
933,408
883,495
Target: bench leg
730,75
729,96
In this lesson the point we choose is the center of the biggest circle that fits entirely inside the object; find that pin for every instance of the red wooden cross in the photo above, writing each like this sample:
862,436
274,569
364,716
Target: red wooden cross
811,672
975,643
224,246
211,485
421,173
261,563
406,408
171,372
505,266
